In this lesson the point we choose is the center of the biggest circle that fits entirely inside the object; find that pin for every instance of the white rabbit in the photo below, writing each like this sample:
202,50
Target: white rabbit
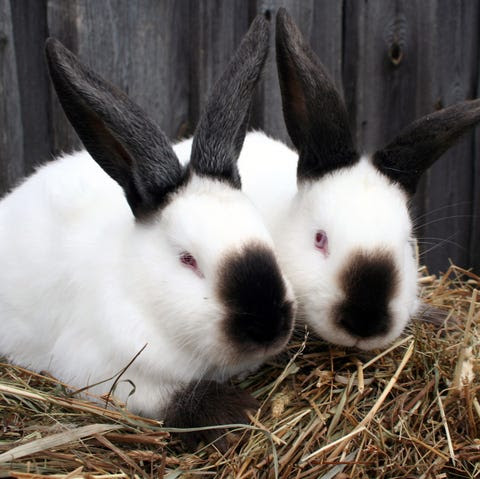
192,273
341,223
340,220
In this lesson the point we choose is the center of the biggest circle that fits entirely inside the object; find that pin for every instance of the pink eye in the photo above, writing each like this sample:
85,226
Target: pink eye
321,241
188,259
190,262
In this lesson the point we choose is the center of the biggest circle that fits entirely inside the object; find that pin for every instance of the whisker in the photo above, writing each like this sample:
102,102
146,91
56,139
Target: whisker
446,240
434,240
444,207
443,219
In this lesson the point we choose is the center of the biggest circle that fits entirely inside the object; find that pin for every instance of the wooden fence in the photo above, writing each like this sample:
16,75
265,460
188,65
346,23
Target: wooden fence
397,60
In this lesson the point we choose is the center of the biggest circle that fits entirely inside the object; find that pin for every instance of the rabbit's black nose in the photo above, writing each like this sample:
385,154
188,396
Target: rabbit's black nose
364,323
254,294
369,282
265,326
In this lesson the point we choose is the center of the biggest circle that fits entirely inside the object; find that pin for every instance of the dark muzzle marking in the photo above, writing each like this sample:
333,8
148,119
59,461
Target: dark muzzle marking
369,281
254,294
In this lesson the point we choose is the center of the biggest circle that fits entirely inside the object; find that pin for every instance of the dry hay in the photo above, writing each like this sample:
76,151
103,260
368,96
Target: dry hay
411,411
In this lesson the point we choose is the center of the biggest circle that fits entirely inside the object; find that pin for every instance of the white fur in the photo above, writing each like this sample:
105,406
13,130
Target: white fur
358,208
83,287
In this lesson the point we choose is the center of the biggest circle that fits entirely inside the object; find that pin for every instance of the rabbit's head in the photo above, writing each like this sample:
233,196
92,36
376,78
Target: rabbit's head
348,244
198,260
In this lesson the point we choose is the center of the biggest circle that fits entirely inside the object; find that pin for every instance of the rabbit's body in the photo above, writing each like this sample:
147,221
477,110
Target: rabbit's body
73,259
340,219
124,254
266,160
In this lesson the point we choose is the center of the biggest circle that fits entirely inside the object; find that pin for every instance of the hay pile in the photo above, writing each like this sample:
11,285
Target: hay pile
411,411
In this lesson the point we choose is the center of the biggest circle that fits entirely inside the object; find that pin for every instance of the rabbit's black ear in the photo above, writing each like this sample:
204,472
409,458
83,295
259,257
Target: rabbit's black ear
222,127
418,146
116,132
315,114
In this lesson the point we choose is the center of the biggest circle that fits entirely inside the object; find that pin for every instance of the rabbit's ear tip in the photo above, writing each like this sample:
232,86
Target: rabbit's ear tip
52,44
261,21
55,49
50,41
283,17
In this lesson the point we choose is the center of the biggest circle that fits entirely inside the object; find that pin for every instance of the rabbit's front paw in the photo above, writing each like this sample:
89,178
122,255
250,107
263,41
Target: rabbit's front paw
208,403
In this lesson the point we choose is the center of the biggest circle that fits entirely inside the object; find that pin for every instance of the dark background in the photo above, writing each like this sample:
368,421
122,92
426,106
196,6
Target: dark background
397,60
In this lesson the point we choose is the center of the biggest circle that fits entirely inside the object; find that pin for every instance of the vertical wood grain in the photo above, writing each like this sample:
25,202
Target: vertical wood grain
448,184
11,132
139,46
29,22
216,29
474,245
407,59
321,23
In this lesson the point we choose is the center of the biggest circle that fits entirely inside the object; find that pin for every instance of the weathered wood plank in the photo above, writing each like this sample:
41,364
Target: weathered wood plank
139,46
383,42
449,182
11,133
321,24
29,19
475,226
267,112
386,64
216,29
62,23
403,68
